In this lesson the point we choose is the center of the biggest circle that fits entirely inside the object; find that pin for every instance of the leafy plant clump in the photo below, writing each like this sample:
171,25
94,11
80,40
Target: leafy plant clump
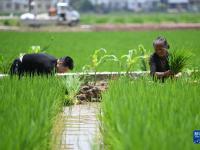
35,49
98,58
144,58
32,50
134,58
72,85
178,60
131,60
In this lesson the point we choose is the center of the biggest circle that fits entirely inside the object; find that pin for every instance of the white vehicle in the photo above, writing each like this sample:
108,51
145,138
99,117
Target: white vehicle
27,16
65,15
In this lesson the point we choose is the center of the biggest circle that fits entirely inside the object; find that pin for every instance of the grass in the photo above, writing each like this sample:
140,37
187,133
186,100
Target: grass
29,108
136,113
81,46
10,22
72,84
144,115
127,17
178,60
120,18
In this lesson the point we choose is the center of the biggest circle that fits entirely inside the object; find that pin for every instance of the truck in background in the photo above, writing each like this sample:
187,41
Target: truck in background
61,14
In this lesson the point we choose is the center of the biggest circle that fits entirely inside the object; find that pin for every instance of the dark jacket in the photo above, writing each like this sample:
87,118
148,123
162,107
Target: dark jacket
158,64
34,64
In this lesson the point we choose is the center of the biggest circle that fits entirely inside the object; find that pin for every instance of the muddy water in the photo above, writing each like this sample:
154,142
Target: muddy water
81,128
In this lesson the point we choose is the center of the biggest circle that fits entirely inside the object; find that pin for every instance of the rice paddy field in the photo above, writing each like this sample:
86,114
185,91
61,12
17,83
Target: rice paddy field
126,18
140,18
81,45
29,110
136,114
140,114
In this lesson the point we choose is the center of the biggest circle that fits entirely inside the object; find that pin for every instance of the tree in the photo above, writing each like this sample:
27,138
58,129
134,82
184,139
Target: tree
82,5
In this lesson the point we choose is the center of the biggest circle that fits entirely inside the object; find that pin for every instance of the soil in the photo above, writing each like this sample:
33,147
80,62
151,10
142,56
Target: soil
104,27
146,26
92,92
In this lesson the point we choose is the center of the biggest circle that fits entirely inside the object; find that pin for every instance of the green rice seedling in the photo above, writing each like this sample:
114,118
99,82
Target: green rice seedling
39,49
10,22
136,20
72,85
118,20
32,50
137,114
131,59
144,58
98,58
178,60
4,65
101,20
195,75
6,23
35,49
29,108
1,62
116,42
135,58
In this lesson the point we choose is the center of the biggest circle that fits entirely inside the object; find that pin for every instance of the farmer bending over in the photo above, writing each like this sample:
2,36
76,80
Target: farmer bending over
40,64
159,65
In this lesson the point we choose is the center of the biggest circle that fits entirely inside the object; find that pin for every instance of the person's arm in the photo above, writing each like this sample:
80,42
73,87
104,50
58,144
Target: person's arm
152,66
178,75
163,74
157,74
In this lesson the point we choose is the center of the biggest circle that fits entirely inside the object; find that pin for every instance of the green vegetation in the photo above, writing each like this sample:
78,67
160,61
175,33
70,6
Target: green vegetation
135,59
72,85
127,18
29,108
136,114
139,114
121,18
98,58
80,46
4,64
178,60
144,58
10,22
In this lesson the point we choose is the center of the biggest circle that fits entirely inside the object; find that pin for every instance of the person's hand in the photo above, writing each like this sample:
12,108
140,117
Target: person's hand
178,75
164,74
167,73
171,73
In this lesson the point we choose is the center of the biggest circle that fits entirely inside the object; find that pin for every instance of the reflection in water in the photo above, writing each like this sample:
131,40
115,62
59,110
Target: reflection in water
81,126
